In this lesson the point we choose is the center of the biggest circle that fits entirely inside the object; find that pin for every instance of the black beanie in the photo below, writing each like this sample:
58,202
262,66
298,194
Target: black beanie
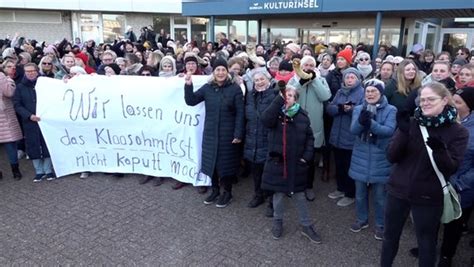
191,58
286,65
220,62
115,67
467,94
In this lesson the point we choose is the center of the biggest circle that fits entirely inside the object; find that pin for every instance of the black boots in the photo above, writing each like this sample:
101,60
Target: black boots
16,172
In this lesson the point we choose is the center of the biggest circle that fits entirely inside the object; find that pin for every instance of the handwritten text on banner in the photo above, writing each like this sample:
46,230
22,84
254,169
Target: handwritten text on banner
122,124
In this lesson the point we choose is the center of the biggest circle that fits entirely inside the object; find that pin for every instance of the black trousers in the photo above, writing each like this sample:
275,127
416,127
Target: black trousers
453,232
225,182
342,159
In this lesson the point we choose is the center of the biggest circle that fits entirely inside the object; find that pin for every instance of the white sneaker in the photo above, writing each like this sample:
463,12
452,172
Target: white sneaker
336,194
84,175
345,201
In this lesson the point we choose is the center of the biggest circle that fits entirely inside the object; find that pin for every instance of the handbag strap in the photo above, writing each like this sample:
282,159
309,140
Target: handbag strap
425,134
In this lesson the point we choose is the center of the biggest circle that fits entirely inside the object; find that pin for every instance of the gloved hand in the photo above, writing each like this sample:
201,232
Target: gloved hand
313,75
403,121
435,143
365,118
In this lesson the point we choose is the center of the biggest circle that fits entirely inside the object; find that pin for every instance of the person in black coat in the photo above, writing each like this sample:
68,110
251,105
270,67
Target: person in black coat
223,129
256,144
290,148
413,185
25,105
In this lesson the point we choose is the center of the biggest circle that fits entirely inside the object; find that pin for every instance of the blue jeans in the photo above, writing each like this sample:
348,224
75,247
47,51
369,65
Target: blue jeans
426,220
301,206
11,149
43,166
362,202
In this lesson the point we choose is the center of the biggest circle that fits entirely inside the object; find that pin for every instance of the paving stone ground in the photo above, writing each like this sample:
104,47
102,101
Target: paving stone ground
103,220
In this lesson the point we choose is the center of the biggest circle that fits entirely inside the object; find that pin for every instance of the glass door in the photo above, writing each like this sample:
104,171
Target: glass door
452,39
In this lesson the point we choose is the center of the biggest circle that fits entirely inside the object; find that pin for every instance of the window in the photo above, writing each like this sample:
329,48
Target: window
339,36
181,20
252,31
283,35
237,30
199,29
113,27
6,16
161,22
220,26
90,27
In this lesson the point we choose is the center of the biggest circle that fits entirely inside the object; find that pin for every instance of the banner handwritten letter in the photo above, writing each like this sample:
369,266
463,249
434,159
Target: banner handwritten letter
122,124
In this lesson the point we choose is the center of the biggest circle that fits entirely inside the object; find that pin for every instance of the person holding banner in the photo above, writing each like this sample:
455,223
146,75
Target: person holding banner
25,105
223,129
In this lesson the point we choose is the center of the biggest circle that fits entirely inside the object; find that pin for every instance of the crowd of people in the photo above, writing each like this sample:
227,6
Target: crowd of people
280,112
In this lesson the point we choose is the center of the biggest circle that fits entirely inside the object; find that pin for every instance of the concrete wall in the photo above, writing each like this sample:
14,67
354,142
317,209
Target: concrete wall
49,32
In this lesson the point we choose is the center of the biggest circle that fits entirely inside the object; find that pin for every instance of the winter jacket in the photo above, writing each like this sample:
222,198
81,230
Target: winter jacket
463,179
394,97
312,97
412,177
334,80
224,121
369,162
256,144
299,145
10,130
341,136
25,105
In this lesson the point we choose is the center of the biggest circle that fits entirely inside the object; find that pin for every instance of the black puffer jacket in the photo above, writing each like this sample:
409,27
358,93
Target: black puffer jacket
334,79
224,122
299,145
256,144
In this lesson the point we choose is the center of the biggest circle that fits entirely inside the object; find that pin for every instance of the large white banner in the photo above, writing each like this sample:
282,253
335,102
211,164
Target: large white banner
122,124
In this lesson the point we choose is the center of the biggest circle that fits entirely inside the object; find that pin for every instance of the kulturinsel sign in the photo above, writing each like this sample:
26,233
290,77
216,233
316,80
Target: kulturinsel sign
290,6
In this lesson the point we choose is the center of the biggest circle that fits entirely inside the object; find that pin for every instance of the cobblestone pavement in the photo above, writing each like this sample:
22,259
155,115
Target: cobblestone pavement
103,220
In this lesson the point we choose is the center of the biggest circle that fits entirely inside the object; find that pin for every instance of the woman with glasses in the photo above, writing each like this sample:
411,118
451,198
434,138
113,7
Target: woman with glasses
413,184
46,67
408,79
364,65
463,53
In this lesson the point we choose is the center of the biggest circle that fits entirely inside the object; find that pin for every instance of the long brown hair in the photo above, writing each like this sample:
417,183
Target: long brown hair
404,86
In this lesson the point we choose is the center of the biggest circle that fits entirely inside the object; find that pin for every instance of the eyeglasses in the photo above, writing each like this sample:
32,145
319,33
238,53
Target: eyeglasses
364,59
429,100
462,54
46,63
146,74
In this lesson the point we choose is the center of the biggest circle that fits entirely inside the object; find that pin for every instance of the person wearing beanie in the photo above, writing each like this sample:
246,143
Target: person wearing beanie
417,49
112,69
340,109
167,67
334,77
456,66
373,123
223,131
345,54
364,65
285,71
291,50
463,179
191,65
220,62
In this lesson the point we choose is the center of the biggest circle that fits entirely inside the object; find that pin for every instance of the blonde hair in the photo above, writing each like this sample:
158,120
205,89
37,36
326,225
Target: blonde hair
404,87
